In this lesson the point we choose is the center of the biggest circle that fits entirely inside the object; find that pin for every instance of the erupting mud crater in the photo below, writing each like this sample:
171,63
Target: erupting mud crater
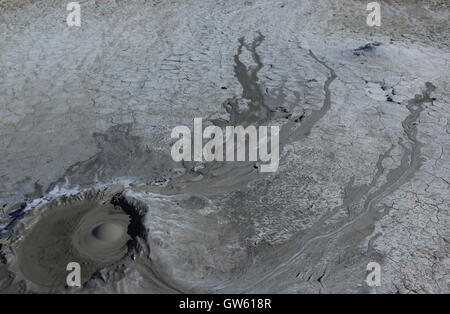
85,228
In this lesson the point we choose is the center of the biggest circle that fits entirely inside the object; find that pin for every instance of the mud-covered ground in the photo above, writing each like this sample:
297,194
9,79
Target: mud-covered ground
86,115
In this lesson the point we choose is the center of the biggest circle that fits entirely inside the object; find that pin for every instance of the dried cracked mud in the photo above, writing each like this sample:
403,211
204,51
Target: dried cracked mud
86,173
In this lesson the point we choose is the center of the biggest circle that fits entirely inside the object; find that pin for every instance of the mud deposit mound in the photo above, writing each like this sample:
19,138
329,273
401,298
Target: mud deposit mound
88,230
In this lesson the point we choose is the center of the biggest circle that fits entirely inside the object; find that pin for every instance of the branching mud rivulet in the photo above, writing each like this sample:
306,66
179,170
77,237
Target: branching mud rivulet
88,179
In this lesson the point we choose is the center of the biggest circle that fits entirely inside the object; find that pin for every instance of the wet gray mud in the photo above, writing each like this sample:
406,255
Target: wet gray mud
360,202
362,174
90,228
121,155
256,106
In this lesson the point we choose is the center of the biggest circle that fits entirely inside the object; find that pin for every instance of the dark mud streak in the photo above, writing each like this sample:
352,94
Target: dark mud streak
258,111
263,105
409,165
297,133
262,108
316,115
411,160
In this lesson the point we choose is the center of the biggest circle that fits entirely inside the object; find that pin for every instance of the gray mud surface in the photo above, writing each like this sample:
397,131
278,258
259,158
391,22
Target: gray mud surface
86,172
87,229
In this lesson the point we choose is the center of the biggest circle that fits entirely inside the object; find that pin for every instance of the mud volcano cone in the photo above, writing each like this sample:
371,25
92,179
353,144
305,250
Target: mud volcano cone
86,229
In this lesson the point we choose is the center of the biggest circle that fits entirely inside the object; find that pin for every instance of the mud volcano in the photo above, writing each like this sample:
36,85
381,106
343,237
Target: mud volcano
86,229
